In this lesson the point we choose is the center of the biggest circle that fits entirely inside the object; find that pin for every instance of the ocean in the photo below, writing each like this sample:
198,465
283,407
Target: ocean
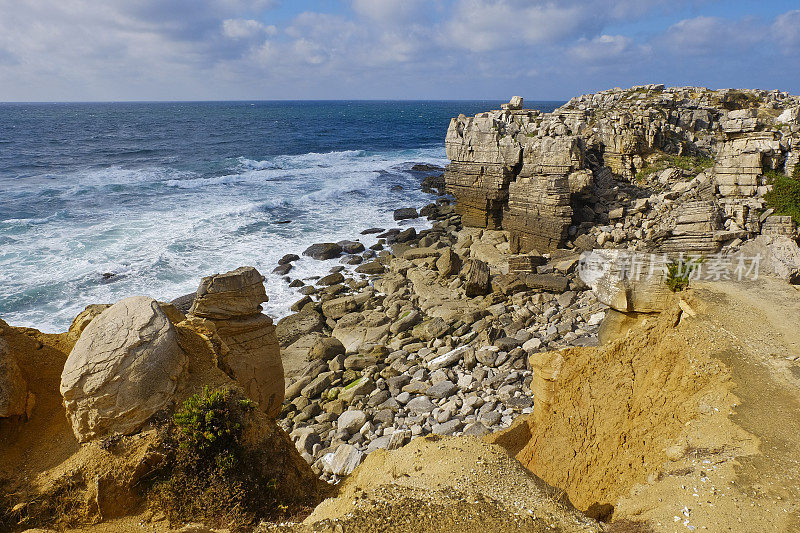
162,194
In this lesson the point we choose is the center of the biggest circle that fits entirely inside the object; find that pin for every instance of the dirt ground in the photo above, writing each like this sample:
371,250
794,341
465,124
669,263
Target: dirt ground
747,479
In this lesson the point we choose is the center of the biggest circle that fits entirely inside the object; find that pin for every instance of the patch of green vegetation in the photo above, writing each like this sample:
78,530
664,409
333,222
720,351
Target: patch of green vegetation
693,164
211,476
680,271
352,384
784,197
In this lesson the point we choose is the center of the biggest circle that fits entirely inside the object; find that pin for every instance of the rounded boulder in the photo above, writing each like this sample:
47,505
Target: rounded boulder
123,369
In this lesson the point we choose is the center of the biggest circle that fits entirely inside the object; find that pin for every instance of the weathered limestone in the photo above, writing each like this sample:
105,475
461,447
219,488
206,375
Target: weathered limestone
525,171
234,294
624,282
124,368
695,225
483,159
778,225
231,301
741,160
778,254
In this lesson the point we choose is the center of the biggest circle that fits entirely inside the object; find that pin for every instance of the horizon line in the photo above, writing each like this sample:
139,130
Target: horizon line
4,102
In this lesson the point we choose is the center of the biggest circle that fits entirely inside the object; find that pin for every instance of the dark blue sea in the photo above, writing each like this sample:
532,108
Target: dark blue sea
161,194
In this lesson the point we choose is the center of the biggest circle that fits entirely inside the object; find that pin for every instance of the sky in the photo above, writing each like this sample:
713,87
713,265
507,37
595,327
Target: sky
110,50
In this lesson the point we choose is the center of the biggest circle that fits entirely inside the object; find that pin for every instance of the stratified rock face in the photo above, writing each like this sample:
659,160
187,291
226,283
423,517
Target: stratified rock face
520,170
124,368
510,170
484,157
695,226
232,302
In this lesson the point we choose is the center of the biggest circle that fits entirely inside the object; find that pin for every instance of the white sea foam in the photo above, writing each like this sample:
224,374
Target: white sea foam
159,230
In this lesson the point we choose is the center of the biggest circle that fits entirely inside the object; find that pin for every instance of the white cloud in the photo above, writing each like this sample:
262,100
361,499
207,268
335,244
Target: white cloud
787,31
246,28
393,11
120,49
603,48
712,35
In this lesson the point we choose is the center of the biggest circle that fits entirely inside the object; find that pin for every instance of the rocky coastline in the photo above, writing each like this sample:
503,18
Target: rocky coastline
470,327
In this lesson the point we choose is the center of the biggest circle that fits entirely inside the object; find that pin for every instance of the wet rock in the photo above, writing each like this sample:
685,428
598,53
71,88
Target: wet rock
405,213
288,258
282,270
322,251
370,231
351,247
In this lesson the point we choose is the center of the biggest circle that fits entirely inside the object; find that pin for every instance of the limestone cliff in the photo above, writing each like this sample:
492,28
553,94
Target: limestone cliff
530,172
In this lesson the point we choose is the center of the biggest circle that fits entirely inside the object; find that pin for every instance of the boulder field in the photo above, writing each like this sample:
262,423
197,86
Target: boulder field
520,364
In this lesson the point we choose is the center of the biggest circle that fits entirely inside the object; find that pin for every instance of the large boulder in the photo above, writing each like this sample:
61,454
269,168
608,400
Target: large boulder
625,282
293,327
323,250
231,301
124,368
778,255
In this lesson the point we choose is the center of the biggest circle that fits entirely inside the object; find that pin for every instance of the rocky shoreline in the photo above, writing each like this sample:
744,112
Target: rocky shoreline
501,318
420,342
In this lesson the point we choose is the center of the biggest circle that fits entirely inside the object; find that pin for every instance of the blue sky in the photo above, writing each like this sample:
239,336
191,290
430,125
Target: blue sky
77,50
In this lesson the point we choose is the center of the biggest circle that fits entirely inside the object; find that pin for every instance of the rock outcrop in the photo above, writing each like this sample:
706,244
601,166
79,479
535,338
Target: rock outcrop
124,368
251,354
547,177
626,282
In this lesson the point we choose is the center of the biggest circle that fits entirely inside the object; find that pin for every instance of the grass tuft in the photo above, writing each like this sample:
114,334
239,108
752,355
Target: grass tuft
784,197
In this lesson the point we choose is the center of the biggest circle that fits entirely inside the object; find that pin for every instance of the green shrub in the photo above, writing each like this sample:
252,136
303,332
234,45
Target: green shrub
694,164
211,476
784,197
207,428
680,271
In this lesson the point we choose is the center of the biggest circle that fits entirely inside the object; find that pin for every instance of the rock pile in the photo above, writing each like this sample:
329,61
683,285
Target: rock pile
436,344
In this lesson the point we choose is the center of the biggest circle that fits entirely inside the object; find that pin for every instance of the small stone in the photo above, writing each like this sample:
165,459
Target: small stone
351,420
288,258
447,428
476,429
343,461
443,389
420,404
